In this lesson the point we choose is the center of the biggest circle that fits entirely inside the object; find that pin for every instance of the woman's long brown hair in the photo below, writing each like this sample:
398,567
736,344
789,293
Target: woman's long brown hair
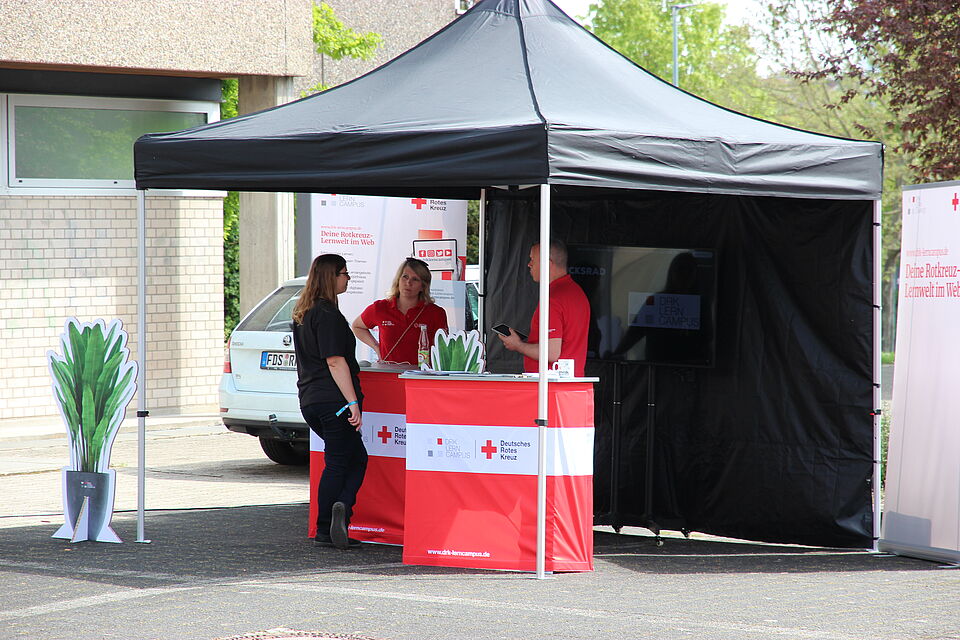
321,283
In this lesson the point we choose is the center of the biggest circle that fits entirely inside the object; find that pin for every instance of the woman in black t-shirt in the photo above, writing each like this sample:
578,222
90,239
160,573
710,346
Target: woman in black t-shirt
328,383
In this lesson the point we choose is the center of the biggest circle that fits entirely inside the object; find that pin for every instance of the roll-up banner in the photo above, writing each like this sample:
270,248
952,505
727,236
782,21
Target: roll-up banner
922,494
376,233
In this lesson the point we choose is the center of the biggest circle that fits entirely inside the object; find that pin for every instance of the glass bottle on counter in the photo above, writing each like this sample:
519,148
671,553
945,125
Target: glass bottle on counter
423,348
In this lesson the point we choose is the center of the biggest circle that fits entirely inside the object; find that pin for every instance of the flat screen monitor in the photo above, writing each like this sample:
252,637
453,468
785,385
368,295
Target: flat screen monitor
652,305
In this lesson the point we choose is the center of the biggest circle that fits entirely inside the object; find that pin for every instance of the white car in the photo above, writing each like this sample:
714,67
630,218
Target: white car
258,390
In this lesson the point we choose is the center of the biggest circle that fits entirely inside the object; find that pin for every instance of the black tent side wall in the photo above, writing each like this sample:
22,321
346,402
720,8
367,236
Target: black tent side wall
775,442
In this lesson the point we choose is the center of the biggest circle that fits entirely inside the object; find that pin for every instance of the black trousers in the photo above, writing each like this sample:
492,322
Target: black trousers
345,460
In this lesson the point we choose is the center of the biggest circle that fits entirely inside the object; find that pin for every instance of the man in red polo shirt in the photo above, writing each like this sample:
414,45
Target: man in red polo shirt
569,316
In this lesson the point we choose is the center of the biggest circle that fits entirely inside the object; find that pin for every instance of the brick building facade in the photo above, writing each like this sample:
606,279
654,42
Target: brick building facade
74,256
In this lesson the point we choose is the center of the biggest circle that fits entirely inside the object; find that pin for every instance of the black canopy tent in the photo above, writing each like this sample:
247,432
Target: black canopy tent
513,94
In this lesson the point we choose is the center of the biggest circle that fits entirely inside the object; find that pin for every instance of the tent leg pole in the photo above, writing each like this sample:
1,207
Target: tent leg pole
542,383
651,522
877,399
481,248
141,357
615,520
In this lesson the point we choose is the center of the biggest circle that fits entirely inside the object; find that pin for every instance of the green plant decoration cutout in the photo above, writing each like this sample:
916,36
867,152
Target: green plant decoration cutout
93,382
460,351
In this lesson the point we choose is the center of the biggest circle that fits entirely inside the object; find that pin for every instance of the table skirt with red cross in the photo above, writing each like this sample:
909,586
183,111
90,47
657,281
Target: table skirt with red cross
378,514
472,454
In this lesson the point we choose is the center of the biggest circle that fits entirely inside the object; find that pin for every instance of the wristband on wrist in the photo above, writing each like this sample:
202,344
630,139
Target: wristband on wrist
345,407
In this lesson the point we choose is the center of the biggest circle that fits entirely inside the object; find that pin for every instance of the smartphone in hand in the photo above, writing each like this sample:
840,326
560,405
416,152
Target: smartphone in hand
504,330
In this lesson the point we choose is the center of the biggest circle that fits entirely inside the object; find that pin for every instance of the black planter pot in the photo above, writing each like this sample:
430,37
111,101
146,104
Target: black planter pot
99,488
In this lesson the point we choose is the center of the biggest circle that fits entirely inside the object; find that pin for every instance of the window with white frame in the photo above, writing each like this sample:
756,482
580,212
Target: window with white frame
81,142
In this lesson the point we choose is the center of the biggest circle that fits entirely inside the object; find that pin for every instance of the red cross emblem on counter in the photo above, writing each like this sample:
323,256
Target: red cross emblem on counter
489,449
955,202
384,434
419,202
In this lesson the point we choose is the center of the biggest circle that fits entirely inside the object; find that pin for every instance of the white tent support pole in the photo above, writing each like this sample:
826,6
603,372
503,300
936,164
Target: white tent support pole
141,357
877,402
542,383
481,245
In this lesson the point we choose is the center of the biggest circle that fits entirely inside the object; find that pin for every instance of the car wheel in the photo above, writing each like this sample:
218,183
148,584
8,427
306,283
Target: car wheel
284,452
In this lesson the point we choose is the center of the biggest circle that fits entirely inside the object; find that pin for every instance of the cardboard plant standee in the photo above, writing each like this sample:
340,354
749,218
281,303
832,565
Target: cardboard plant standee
460,351
93,381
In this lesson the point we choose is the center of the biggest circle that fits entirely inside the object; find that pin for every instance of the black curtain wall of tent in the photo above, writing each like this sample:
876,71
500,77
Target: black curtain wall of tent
774,442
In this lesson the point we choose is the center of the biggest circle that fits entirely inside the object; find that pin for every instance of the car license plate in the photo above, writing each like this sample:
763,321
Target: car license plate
280,360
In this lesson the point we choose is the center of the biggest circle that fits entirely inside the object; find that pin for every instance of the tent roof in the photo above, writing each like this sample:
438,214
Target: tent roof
512,92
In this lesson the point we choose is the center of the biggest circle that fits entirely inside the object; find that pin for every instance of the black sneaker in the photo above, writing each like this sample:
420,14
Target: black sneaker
338,526
325,541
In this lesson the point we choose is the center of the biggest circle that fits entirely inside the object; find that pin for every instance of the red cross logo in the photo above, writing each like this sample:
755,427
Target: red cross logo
419,202
439,440
489,449
955,202
384,434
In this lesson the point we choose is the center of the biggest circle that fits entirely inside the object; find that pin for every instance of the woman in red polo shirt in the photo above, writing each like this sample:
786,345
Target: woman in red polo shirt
400,315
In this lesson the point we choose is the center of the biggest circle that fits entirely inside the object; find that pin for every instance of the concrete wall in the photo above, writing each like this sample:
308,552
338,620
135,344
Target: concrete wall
76,256
402,25
221,38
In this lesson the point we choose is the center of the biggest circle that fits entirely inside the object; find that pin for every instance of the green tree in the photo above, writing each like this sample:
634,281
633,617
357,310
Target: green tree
337,41
715,61
905,53
229,90
332,38
473,231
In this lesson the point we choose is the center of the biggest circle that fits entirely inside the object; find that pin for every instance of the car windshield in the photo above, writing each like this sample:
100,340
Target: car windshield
275,312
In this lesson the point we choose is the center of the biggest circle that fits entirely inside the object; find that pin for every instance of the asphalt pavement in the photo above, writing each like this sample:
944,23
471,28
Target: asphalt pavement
228,557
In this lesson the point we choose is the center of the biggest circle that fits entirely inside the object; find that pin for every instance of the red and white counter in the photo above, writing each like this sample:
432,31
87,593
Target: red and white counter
378,514
452,470
471,478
